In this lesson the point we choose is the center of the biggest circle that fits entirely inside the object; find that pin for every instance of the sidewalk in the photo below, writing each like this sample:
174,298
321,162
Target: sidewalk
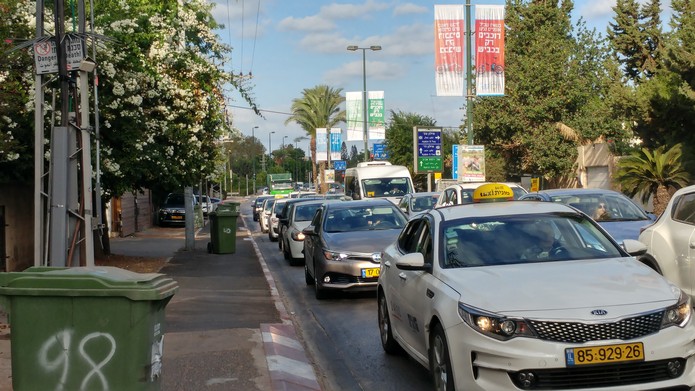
226,327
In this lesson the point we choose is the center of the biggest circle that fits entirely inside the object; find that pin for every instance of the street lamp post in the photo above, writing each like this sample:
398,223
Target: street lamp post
364,92
253,159
283,141
270,150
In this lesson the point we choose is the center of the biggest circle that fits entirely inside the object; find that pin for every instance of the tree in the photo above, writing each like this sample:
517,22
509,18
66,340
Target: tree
555,77
344,152
354,156
319,107
648,174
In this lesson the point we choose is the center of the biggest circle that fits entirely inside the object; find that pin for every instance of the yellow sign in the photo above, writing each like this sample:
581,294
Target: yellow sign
493,192
437,176
535,184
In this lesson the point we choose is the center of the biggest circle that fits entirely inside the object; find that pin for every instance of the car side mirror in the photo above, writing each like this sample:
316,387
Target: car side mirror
356,196
634,247
413,261
309,231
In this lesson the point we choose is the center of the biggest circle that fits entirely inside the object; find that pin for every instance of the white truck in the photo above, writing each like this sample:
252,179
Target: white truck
379,179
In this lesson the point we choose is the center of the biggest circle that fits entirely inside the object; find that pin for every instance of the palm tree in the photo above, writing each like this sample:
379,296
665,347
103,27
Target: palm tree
652,174
319,107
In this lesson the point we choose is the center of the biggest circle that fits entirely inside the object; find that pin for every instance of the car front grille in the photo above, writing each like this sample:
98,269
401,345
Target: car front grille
575,332
341,279
597,376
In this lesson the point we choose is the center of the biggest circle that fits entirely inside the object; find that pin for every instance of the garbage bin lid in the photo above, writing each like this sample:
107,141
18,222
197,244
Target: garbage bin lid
87,281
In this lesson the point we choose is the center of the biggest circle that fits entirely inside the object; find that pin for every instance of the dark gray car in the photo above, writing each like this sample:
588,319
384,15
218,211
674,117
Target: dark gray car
343,244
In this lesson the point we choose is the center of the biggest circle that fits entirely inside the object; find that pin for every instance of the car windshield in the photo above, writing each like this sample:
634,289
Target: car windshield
386,187
175,199
504,240
364,218
604,207
278,207
268,205
305,212
423,203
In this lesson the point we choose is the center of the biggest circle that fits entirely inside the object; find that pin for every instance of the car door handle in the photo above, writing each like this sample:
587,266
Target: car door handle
692,244
402,276
387,263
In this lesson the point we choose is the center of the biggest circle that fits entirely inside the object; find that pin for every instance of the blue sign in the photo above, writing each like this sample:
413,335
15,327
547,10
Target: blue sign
428,137
339,165
336,142
455,163
429,150
380,152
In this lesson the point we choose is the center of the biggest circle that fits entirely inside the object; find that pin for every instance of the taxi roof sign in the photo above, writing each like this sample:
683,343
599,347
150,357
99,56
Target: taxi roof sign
493,192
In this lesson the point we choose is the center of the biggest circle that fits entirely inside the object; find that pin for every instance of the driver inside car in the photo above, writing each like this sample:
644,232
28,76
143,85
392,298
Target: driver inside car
545,246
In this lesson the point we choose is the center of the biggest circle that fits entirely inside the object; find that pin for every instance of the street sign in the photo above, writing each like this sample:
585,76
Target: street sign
427,145
380,152
46,56
339,165
455,163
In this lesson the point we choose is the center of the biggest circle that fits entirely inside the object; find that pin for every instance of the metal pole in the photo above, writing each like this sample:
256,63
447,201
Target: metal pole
38,152
253,151
469,76
364,104
97,185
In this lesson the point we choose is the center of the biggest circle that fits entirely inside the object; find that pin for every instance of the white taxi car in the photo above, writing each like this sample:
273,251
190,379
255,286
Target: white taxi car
531,296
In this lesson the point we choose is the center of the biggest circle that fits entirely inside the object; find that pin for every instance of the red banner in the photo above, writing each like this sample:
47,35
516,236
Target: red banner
489,53
449,31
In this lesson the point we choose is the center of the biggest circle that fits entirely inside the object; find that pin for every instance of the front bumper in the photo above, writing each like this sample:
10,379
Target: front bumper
346,275
483,363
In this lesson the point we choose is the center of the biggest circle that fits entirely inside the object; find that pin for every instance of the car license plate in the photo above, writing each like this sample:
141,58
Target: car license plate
605,354
370,273
176,217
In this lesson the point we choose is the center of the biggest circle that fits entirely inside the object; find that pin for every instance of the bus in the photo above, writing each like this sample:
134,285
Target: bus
280,184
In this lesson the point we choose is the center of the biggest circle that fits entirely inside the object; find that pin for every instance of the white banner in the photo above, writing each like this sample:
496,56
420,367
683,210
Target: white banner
322,143
449,31
353,116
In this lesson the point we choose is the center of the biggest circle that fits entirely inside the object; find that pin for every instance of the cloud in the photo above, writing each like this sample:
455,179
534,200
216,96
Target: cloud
596,9
409,40
409,8
311,23
376,70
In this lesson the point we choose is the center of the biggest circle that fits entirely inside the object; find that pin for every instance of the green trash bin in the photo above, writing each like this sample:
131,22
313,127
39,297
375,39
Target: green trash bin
223,228
86,328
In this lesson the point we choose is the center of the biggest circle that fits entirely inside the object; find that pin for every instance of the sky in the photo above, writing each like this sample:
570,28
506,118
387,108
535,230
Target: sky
292,45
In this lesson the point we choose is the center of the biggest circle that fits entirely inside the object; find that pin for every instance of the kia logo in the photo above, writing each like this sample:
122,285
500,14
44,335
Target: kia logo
599,312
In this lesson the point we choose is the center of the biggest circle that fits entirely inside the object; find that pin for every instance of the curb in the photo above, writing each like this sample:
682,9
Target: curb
288,365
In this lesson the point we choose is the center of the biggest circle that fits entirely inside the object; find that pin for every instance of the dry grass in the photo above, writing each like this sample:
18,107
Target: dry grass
134,264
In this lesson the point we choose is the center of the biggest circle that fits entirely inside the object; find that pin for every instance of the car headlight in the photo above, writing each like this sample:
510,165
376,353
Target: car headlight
678,314
298,236
334,256
493,325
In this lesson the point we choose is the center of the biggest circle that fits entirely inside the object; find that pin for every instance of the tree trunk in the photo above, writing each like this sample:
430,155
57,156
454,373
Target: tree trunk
312,146
661,199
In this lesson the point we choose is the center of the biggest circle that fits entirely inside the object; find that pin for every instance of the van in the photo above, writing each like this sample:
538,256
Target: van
378,180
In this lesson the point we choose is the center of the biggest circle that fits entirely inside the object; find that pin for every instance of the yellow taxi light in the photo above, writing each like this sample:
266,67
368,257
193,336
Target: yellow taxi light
493,192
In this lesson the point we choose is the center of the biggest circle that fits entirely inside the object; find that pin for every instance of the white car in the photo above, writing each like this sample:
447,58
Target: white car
671,241
525,296
274,220
462,193
299,217
263,218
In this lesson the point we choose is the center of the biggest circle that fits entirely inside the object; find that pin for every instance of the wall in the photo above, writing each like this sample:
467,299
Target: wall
18,204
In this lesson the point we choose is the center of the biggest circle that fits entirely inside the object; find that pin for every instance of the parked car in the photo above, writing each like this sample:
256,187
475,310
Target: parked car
531,296
206,204
343,244
283,216
614,211
265,213
173,210
670,241
274,220
258,206
299,216
414,203
462,193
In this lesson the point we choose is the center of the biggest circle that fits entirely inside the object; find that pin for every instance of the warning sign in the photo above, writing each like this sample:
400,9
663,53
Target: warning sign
46,56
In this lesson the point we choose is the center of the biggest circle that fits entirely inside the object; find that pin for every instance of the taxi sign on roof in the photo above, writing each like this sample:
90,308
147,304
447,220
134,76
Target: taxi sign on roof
493,192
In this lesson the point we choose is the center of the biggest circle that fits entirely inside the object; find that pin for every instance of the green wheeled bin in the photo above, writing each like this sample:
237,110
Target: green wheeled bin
223,228
86,328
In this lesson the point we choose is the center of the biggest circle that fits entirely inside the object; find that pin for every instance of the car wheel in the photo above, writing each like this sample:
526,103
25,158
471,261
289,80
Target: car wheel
389,344
286,252
309,279
440,362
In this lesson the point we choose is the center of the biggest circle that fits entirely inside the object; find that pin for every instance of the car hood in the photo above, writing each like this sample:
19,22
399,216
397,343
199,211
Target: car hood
366,242
621,230
566,289
300,225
